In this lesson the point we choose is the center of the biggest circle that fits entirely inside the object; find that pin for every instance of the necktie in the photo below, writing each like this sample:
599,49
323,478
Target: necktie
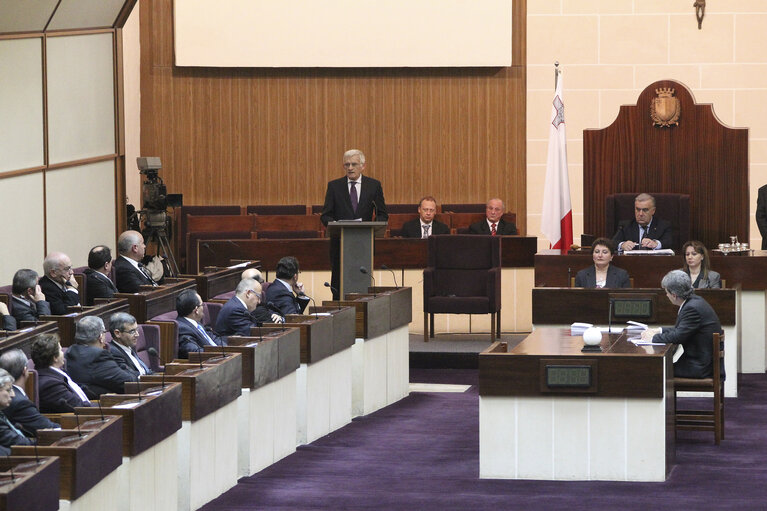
493,232
146,273
142,368
205,334
425,231
10,425
353,195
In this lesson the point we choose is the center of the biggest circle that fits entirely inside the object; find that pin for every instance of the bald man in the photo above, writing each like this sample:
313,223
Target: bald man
252,273
59,284
493,224
130,273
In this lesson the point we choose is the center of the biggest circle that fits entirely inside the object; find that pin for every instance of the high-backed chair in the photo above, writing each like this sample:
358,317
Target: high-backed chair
148,337
704,420
463,276
463,208
167,332
672,207
401,209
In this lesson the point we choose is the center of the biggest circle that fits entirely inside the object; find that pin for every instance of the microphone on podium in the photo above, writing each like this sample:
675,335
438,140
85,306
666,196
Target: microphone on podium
334,290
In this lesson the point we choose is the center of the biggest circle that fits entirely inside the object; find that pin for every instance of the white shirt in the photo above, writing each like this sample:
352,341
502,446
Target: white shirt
133,359
358,181
72,384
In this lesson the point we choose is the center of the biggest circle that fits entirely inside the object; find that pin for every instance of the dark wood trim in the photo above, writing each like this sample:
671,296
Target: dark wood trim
84,161
124,14
22,172
79,31
53,13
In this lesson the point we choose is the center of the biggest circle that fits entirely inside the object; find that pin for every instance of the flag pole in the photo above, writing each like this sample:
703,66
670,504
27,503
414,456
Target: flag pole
556,73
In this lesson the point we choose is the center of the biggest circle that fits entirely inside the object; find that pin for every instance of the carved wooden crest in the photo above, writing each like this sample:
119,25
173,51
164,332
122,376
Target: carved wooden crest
665,109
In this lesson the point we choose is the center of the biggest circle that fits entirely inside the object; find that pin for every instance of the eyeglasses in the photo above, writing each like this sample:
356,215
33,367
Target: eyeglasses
131,332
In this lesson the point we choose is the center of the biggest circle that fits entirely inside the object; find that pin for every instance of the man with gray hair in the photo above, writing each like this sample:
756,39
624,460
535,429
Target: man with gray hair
90,364
125,333
9,434
644,232
351,197
494,224
59,284
696,323
130,273
236,316
28,301
22,412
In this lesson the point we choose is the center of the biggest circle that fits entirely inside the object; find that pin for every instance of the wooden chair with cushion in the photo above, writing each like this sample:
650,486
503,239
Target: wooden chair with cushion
704,420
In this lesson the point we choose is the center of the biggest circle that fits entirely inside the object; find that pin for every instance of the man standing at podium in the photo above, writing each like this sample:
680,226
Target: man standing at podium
351,197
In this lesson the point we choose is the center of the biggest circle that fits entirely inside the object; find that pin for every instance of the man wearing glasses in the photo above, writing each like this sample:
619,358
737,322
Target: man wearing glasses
352,197
192,334
59,284
124,332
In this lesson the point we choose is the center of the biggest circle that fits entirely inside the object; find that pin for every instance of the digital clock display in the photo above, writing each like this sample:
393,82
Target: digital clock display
568,375
632,308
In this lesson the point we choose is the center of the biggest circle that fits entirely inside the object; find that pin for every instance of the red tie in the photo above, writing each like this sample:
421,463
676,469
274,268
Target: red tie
492,230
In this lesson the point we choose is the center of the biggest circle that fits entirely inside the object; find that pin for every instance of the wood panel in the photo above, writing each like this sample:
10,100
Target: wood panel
700,157
276,136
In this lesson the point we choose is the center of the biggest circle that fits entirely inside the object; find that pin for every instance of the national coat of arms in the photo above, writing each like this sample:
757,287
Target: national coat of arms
665,109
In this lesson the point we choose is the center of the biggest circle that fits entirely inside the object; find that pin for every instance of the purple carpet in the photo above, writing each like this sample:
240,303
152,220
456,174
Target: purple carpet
423,453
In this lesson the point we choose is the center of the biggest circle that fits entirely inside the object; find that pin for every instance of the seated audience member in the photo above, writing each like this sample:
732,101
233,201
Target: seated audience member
425,225
262,312
130,273
602,274
192,334
124,331
252,273
698,266
59,284
56,391
22,412
91,365
280,293
28,299
97,283
644,231
493,224
696,322
9,322
236,316
9,434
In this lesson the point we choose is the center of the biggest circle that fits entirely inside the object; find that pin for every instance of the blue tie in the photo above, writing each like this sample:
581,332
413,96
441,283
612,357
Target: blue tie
205,334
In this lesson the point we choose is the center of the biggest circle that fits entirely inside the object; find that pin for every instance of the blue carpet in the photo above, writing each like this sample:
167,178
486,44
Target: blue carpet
423,453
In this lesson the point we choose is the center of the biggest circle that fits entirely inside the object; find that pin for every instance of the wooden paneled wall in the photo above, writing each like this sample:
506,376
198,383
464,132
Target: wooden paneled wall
700,157
276,136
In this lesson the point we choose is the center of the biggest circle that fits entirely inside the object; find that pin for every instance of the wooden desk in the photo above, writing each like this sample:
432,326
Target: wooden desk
217,280
66,324
32,486
152,302
23,339
618,427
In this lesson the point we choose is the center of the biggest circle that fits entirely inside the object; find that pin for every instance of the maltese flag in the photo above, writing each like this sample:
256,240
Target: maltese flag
557,217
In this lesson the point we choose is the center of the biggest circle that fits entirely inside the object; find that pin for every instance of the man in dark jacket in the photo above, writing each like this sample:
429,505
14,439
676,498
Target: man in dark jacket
22,412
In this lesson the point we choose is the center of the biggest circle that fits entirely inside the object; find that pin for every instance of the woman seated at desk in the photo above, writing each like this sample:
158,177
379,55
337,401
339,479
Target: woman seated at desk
698,266
602,274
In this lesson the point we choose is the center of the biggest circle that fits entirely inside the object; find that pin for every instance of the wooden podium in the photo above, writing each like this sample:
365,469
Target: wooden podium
357,239
28,483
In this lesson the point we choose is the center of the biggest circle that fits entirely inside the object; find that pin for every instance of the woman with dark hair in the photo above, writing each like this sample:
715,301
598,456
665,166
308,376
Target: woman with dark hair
698,266
58,393
602,274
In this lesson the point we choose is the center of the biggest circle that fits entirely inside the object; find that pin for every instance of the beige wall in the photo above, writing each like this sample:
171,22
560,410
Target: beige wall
610,50
132,104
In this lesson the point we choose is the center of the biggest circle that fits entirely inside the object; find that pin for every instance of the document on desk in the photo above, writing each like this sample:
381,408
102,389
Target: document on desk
662,251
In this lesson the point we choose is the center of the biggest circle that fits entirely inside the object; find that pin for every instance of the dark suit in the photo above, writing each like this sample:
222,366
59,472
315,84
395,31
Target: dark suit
23,412
9,323
128,278
338,206
96,370
616,277
503,228
412,229
24,312
234,319
124,361
284,299
9,437
190,339
97,285
659,230
761,214
695,325
58,299
55,394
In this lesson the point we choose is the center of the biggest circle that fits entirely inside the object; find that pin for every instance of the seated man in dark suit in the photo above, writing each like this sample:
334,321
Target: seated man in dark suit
695,325
124,331
236,316
644,232
59,284
97,283
280,293
89,362
425,225
9,322
28,299
22,412
192,334
130,273
493,224
9,434
56,391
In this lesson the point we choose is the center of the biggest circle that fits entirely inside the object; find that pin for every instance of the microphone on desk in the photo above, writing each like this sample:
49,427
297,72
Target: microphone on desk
77,421
384,267
28,432
207,246
334,290
569,276
366,272
152,352
610,318
313,303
